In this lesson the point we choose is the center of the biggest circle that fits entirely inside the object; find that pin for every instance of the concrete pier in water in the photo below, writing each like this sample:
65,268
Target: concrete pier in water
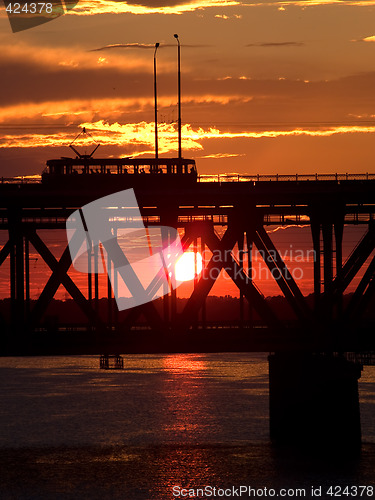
314,401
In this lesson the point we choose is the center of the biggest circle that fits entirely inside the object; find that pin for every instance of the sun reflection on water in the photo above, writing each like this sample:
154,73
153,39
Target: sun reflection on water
186,397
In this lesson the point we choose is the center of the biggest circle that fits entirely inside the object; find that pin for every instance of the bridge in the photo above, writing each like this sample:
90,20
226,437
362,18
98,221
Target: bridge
229,218
240,212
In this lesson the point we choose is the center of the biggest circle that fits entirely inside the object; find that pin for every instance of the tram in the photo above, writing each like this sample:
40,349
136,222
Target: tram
87,172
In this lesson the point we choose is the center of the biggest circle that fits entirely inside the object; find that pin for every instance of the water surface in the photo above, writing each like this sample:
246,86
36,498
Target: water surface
71,430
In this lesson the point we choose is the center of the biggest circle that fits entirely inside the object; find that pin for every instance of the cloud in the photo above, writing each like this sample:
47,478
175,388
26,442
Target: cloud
144,46
276,44
67,74
135,135
92,7
282,4
97,7
125,46
48,59
136,138
109,93
179,7
221,155
366,39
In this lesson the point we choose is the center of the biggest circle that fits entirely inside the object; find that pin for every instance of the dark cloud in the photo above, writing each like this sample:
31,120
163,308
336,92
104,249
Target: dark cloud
64,83
142,46
125,46
26,81
156,3
276,44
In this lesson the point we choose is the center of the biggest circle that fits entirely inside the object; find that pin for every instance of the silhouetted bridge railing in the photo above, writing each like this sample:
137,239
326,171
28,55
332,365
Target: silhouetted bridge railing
233,177
236,177
364,358
208,336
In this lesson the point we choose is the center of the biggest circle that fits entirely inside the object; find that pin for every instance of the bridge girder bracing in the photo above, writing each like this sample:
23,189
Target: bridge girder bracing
223,259
235,234
59,276
333,296
16,253
326,220
283,277
4,253
364,292
354,263
243,211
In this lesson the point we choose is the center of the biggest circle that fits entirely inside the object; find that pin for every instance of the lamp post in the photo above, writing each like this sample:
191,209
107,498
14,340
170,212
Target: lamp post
156,105
179,95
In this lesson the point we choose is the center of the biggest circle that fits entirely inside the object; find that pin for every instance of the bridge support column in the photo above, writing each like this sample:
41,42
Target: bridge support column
241,241
203,250
12,256
168,217
314,402
195,250
89,271
109,293
17,271
249,246
315,231
96,278
328,254
27,278
339,231
166,237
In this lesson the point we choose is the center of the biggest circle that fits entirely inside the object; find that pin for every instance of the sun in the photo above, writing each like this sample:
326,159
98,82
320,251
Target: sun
188,265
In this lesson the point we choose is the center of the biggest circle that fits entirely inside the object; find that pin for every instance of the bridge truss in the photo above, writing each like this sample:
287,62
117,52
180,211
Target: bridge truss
229,221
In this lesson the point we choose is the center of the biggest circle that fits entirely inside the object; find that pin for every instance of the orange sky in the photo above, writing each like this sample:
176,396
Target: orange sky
268,86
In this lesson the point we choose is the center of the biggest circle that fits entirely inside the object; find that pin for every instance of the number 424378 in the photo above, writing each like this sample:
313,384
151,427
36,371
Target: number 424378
29,8
350,491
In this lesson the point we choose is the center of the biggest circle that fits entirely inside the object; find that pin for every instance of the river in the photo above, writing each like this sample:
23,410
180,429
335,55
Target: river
160,429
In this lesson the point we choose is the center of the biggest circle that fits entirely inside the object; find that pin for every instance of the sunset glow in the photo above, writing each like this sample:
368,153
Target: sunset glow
101,7
188,266
261,91
142,134
274,98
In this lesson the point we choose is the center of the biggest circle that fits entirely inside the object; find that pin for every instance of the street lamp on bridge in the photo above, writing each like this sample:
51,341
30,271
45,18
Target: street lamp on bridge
179,94
156,104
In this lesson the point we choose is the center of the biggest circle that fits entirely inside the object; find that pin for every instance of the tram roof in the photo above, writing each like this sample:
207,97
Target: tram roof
120,161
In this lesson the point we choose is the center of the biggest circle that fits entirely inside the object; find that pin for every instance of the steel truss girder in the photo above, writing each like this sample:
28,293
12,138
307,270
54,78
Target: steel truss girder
284,279
352,266
224,247
4,252
344,277
59,276
17,267
364,292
